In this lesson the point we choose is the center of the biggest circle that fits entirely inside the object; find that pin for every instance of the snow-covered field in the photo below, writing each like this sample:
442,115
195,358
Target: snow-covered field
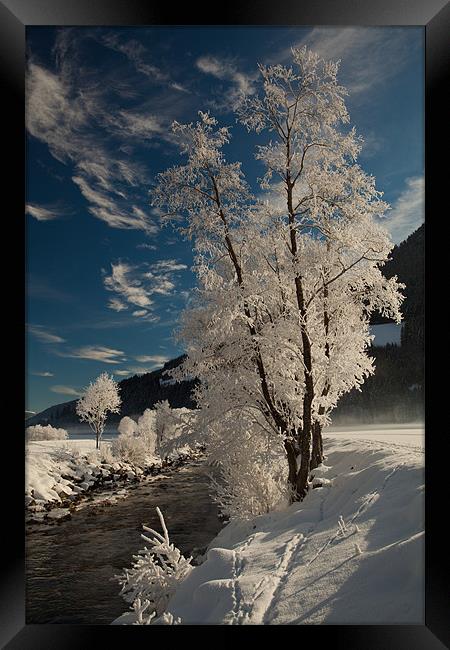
404,434
351,553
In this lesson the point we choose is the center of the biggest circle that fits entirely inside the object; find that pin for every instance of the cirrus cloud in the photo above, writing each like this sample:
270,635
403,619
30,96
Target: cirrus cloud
44,335
65,390
95,353
408,211
143,358
41,213
241,84
136,285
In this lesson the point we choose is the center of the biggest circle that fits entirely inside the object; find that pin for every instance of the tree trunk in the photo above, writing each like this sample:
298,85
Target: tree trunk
97,446
317,441
305,442
317,446
290,446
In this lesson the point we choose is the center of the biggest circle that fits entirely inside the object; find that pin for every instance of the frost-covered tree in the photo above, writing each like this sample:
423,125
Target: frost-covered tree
323,195
100,398
278,329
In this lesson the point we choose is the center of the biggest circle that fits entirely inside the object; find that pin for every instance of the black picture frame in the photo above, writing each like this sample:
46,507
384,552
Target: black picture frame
15,16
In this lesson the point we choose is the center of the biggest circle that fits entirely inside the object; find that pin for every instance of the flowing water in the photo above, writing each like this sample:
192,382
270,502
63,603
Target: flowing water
70,565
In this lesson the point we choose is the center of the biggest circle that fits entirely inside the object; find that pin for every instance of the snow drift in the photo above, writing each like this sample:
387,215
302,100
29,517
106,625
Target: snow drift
351,553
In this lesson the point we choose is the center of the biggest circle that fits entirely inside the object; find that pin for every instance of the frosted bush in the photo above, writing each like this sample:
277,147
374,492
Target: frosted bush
168,619
92,457
137,440
130,449
250,486
101,455
40,432
251,478
155,574
106,455
146,430
127,426
164,426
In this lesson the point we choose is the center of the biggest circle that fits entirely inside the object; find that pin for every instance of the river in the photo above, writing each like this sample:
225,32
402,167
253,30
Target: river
70,566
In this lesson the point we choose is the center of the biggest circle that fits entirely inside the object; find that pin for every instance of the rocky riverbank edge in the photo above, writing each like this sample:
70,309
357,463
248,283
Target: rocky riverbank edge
98,485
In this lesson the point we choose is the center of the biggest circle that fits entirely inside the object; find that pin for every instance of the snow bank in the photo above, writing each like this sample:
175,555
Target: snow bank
58,472
352,553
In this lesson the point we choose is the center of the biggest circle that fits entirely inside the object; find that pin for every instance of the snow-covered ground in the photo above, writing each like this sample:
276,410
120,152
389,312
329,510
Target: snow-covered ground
351,553
58,471
404,434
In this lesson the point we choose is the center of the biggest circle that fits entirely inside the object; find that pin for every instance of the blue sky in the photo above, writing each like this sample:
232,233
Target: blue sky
105,282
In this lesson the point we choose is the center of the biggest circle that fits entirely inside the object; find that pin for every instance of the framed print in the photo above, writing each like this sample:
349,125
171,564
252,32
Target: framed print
228,360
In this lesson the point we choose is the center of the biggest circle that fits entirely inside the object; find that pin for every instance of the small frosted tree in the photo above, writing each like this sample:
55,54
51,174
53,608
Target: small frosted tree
155,574
100,398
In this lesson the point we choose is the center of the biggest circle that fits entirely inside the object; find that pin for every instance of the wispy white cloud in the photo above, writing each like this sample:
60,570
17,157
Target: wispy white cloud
41,213
73,117
369,55
43,374
96,353
150,247
65,390
137,284
125,282
123,373
117,305
157,358
242,84
136,370
136,53
139,125
139,56
113,211
408,211
44,335
179,87
168,266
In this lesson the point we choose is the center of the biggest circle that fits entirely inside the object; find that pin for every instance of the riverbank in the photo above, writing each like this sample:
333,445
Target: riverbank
60,475
71,564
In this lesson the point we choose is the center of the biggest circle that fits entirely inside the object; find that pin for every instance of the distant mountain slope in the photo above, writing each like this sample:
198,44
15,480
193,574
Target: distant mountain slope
408,264
138,393
395,393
